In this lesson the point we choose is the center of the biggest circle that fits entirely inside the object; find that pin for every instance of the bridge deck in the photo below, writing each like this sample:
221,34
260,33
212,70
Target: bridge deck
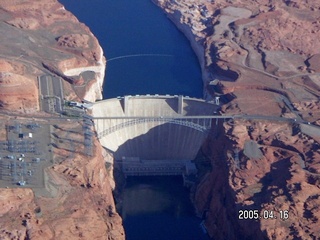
159,127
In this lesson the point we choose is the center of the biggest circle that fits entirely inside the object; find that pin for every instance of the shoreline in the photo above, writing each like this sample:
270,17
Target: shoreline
95,92
197,48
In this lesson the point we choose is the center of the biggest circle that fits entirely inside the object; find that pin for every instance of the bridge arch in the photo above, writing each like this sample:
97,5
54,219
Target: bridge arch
153,127
202,125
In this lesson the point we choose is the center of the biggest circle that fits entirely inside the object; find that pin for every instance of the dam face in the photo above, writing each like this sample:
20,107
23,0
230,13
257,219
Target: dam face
153,132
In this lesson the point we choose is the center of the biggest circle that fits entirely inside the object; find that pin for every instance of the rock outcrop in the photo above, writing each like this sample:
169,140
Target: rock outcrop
42,38
260,58
77,203
18,90
37,37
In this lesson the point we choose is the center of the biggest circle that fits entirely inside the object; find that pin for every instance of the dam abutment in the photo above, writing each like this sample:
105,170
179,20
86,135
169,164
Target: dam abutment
153,135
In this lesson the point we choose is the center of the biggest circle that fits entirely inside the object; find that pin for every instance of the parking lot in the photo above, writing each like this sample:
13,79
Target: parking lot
51,94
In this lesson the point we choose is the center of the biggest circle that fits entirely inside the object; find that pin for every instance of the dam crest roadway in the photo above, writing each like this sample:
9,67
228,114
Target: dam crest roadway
153,134
162,134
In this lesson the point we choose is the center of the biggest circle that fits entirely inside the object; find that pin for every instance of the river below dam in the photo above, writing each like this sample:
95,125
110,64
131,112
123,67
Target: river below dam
159,208
146,54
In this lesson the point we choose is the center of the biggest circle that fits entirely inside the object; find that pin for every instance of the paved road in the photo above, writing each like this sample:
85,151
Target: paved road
253,117
247,117
244,62
289,105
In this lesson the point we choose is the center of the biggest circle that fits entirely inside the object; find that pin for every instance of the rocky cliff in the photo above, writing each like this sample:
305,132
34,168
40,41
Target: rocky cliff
77,202
42,38
260,58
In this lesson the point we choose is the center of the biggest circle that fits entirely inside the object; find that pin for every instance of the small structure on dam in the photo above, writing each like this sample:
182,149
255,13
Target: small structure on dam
153,135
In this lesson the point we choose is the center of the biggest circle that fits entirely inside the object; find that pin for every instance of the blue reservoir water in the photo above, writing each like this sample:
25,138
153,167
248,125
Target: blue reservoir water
163,61
146,55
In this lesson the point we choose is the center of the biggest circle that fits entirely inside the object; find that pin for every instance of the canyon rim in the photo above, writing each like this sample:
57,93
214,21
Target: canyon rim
260,58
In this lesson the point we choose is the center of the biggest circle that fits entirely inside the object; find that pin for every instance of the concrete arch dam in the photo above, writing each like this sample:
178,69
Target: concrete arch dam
153,135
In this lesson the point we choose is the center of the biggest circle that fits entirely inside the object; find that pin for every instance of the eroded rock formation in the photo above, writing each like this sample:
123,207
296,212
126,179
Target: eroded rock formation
37,37
260,58
77,202
42,38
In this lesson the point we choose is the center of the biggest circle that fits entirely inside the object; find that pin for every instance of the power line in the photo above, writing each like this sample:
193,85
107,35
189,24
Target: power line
140,55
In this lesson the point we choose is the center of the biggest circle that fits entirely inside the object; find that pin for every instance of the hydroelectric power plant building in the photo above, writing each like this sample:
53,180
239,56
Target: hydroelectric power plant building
153,135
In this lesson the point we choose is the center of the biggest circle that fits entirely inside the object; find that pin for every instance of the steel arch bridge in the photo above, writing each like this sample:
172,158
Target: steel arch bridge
153,134
199,124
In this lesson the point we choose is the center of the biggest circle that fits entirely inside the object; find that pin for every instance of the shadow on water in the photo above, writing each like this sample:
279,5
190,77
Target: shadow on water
159,207
139,27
